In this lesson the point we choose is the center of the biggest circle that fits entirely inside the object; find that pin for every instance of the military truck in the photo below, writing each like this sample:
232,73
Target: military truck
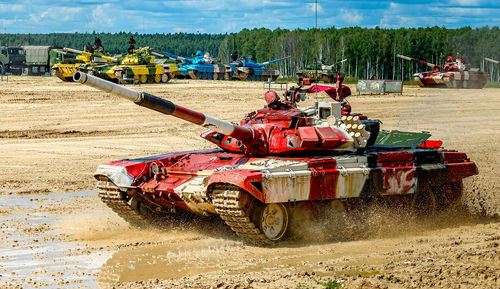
39,59
12,60
27,60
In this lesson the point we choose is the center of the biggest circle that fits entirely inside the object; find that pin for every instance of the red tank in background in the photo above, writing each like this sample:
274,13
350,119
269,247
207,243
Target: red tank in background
454,73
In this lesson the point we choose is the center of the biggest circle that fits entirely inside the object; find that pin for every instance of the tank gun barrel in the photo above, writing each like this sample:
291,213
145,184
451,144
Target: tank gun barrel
245,135
63,52
275,60
432,65
76,51
167,54
491,60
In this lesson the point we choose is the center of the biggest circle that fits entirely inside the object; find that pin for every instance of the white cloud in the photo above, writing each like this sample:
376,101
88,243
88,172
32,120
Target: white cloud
455,11
102,17
465,2
351,16
11,8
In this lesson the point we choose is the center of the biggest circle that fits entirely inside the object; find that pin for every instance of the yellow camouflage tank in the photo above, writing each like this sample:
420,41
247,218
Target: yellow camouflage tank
139,67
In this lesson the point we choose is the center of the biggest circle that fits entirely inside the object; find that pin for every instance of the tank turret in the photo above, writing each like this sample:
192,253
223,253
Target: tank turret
268,131
199,58
245,62
320,70
246,69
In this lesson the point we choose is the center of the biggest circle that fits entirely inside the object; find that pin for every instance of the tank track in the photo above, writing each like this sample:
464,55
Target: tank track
120,203
232,207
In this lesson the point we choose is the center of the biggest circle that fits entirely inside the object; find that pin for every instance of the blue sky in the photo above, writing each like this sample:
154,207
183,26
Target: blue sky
221,16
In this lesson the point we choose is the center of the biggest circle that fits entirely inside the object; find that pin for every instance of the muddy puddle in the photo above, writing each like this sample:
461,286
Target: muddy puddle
72,240
34,252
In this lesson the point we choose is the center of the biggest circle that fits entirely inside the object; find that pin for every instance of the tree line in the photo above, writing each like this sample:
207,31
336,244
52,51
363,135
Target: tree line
370,52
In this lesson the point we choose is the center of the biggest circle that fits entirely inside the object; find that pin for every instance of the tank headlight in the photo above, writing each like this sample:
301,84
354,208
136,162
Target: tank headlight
155,169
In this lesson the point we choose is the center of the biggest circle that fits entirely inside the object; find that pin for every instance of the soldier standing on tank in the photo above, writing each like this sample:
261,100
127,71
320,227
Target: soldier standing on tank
442,58
131,43
89,48
98,45
234,56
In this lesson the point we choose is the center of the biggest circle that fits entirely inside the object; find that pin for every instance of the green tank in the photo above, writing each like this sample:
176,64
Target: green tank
326,73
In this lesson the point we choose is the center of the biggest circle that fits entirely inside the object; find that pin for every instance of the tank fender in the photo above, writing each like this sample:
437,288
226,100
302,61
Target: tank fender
459,165
118,175
130,172
248,180
458,171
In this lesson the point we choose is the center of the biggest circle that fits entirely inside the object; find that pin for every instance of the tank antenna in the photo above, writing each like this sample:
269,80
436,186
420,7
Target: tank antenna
316,58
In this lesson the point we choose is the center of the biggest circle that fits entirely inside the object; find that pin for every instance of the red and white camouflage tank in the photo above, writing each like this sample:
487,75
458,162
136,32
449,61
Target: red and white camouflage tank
324,158
454,73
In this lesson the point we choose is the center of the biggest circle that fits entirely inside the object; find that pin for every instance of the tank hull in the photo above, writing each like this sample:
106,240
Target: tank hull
143,73
64,71
452,79
256,73
215,182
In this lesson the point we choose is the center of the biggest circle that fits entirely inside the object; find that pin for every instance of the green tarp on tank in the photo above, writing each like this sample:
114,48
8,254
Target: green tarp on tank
404,139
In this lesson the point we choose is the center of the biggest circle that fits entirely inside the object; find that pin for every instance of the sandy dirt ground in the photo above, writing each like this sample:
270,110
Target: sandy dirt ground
55,233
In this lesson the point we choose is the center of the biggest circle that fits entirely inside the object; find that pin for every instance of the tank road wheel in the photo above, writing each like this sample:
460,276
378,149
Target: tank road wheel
158,78
423,202
143,78
165,78
449,194
255,222
273,221
455,83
